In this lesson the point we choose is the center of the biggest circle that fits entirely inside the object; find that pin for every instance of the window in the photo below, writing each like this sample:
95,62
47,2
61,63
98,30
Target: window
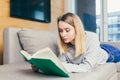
108,19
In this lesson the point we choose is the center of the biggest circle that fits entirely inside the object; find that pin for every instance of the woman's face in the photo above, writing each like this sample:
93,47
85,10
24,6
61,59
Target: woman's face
67,32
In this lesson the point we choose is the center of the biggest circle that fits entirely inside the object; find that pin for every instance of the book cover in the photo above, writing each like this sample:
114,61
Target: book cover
46,61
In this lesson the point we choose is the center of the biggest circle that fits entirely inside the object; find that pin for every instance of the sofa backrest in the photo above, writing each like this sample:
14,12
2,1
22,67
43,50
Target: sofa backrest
11,46
30,40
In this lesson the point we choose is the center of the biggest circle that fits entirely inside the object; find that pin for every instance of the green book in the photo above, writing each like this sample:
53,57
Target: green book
46,61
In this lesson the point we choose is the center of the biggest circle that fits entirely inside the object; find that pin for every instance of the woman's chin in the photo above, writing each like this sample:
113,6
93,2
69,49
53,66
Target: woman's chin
66,41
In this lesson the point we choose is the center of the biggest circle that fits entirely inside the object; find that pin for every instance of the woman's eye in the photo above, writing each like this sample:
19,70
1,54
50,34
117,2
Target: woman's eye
67,30
60,30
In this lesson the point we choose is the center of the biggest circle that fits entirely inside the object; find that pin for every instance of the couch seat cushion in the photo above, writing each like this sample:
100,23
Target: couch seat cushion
22,71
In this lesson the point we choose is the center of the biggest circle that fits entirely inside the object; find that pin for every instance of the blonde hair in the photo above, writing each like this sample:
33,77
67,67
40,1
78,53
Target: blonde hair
74,21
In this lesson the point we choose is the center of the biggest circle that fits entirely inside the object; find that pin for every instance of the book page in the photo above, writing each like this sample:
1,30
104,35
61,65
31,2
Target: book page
25,54
47,53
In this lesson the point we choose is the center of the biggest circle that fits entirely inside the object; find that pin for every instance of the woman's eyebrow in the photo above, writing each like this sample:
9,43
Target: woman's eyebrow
67,28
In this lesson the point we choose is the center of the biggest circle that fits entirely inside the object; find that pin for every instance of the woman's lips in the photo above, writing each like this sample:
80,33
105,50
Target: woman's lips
65,39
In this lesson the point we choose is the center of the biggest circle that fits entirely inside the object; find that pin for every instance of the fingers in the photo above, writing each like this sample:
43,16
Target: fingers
34,68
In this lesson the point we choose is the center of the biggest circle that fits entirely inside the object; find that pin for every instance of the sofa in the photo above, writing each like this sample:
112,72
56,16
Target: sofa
16,68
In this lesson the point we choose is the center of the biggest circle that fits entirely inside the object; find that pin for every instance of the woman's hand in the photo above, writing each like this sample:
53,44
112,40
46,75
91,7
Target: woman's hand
34,68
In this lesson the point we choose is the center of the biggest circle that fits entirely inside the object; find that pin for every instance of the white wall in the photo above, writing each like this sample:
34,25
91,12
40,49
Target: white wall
70,6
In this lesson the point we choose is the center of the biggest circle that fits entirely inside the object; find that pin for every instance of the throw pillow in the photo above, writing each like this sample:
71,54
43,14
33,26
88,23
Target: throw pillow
33,40
113,52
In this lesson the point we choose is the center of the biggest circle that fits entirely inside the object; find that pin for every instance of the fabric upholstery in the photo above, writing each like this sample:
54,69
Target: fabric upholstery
34,40
24,72
11,46
118,66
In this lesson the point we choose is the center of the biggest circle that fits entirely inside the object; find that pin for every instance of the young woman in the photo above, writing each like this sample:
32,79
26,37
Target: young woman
80,50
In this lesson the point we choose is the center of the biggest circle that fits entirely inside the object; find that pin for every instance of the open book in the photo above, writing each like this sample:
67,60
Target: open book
46,61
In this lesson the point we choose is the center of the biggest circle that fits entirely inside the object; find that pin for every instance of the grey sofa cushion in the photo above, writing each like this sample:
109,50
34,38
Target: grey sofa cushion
33,40
23,71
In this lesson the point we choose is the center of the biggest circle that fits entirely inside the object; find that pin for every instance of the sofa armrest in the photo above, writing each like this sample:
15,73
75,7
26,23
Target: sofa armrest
11,46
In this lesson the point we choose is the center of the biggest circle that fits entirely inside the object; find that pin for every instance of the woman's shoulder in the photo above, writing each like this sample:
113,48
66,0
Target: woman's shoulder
91,34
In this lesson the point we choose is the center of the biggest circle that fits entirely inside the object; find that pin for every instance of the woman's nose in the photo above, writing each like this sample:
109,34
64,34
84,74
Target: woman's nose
63,34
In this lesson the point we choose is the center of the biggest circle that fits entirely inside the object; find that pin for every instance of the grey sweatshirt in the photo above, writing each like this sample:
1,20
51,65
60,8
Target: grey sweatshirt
92,56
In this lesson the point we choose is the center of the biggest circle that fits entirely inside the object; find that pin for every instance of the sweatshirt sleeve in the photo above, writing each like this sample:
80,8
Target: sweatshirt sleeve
92,54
